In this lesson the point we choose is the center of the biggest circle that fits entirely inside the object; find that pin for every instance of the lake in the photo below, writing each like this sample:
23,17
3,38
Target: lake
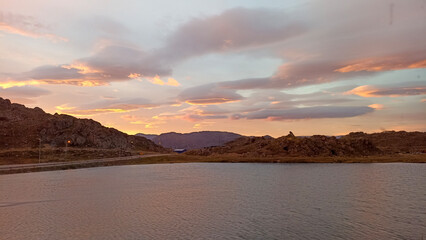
217,201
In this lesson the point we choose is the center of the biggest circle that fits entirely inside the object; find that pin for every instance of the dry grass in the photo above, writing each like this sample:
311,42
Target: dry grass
182,158
233,158
31,155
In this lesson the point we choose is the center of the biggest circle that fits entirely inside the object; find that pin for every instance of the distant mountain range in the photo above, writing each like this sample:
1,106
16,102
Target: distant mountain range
22,127
194,140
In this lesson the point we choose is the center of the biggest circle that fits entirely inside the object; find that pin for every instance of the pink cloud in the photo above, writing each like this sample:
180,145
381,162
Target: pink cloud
110,106
208,94
26,26
234,29
360,44
310,113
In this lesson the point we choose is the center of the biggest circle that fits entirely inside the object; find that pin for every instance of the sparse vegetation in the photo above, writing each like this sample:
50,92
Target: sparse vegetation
233,158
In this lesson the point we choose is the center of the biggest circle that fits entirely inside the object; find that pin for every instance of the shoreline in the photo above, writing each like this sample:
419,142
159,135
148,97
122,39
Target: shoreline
182,158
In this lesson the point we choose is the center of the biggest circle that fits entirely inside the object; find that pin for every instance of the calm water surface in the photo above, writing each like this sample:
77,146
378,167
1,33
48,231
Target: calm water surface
217,201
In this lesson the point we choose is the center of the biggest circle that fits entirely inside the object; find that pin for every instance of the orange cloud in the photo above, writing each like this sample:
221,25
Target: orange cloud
420,64
28,33
143,121
176,104
202,125
77,74
134,75
190,114
172,82
168,116
76,82
379,65
121,106
129,117
377,106
370,91
148,125
82,68
363,91
210,101
64,107
107,65
157,80
180,116
10,84
209,94
88,112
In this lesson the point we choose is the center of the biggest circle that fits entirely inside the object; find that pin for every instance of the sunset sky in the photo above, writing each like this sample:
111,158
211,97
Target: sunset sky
246,66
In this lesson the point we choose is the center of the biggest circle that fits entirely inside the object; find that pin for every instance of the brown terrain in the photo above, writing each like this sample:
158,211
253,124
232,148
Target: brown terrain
353,144
24,130
390,142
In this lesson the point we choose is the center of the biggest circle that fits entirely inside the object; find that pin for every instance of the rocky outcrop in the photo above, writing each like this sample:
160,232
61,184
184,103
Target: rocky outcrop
394,142
293,146
353,144
194,140
22,127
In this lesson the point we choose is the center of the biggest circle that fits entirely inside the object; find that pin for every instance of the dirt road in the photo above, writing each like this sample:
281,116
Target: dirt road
15,168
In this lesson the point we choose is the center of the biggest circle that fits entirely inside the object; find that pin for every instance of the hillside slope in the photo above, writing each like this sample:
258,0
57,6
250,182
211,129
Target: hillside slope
22,127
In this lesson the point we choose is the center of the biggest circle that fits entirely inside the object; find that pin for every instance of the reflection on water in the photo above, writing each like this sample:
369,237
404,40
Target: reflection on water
217,201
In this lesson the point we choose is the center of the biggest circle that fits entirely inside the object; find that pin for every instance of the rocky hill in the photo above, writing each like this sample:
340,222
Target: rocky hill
353,144
194,140
22,127
293,146
395,142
